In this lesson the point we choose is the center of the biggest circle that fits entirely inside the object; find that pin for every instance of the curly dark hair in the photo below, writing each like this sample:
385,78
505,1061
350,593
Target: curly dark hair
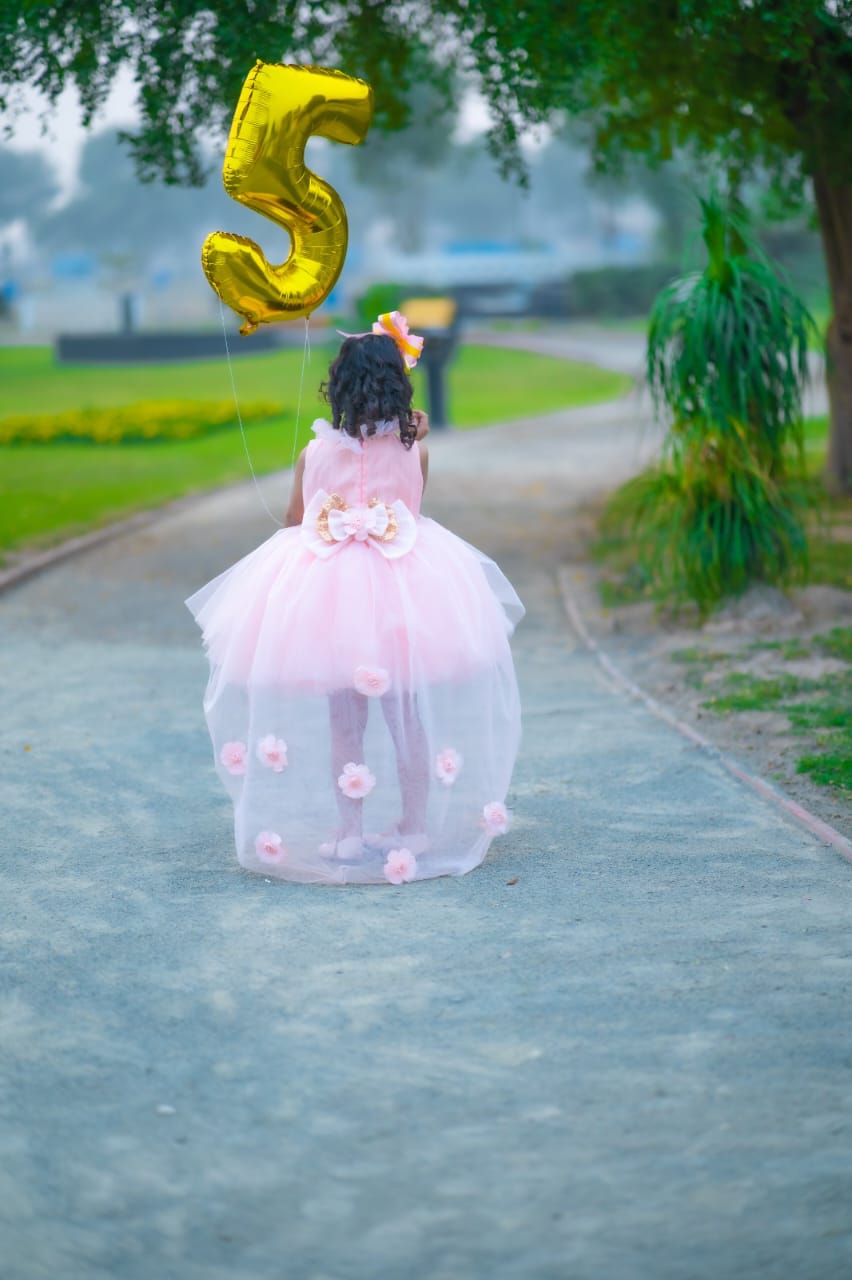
368,383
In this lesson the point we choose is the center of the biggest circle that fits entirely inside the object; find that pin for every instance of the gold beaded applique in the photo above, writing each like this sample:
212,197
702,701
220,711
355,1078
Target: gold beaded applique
392,529
334,502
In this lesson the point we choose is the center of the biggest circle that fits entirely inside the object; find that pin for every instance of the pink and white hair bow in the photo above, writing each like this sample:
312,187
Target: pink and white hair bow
393,324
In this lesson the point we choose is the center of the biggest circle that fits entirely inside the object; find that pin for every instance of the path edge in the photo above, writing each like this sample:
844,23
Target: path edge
796,812
38,562
30,565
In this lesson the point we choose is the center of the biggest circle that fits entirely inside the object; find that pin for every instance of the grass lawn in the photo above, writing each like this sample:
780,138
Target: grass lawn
817,710
49,492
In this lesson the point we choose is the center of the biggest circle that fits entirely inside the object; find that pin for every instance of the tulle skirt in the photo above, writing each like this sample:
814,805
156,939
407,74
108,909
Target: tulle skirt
364,712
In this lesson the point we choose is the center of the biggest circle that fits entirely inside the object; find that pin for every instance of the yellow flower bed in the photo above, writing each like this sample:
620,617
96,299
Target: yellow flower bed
149,420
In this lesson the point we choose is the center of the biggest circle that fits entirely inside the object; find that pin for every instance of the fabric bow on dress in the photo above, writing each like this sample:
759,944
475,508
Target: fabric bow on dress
329,524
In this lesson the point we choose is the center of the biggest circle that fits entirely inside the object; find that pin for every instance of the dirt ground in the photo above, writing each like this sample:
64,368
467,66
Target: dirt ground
684,663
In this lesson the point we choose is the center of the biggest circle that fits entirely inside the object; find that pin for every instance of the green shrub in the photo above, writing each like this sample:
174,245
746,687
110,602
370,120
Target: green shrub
154,420
727,363
378,299
381,298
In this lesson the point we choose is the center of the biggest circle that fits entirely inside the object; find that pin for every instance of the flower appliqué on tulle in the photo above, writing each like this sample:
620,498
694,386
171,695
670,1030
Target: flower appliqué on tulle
356,781
272,752
495,818
401,866
448,765
371,681
233,757
270,848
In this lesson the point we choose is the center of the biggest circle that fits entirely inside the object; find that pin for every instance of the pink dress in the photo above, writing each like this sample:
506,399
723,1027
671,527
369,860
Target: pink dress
368,619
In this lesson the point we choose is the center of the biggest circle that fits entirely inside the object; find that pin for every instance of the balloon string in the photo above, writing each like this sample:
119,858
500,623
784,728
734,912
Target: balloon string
306,359
240,421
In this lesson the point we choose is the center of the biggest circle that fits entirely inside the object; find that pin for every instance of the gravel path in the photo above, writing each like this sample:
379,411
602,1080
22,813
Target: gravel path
621,1048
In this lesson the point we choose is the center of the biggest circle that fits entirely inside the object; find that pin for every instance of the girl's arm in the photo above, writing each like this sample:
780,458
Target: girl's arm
424,462
421,423
296,509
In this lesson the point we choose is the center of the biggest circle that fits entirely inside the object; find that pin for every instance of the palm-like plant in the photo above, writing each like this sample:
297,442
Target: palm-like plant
727,362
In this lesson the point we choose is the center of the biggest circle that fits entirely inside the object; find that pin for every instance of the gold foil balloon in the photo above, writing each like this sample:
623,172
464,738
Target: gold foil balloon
279,108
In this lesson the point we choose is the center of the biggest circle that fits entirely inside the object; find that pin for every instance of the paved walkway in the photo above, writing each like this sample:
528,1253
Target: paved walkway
620,1049
621,350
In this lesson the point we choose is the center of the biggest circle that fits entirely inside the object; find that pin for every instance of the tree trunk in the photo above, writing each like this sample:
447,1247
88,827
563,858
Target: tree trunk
834,209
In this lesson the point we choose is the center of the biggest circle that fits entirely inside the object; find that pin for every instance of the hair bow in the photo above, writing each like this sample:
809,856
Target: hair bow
395,325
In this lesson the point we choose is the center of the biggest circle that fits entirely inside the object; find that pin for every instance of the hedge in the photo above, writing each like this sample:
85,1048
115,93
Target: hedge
147,421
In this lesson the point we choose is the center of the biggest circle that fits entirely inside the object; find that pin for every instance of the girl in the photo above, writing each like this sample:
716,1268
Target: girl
362,700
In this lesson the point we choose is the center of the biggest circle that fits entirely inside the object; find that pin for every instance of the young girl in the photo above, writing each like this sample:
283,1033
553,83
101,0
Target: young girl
362,700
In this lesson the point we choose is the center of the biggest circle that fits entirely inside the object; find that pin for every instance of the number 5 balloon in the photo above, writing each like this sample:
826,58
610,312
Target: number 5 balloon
279,108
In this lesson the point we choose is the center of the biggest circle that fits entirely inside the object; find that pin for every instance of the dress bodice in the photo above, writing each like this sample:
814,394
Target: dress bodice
378,467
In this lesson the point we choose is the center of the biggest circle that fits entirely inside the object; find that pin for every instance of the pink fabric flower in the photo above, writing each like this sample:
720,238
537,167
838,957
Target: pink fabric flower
270,848
495,819
371,681
272,752
356,781
401,866
447,765
233,757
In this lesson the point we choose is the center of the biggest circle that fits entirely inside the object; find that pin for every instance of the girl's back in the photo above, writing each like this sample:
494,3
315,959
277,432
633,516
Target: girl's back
380,467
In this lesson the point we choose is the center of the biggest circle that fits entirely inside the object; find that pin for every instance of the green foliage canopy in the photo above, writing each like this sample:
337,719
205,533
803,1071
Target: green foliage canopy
190,58
767,81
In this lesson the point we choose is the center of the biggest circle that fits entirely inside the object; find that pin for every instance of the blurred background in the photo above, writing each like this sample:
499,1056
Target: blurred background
84,245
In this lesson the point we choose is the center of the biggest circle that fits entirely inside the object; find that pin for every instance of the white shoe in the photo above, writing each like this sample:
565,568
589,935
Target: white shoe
349,849
414,842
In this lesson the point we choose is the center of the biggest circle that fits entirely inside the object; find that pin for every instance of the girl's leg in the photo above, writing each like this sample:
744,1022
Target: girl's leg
412,758
348,719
